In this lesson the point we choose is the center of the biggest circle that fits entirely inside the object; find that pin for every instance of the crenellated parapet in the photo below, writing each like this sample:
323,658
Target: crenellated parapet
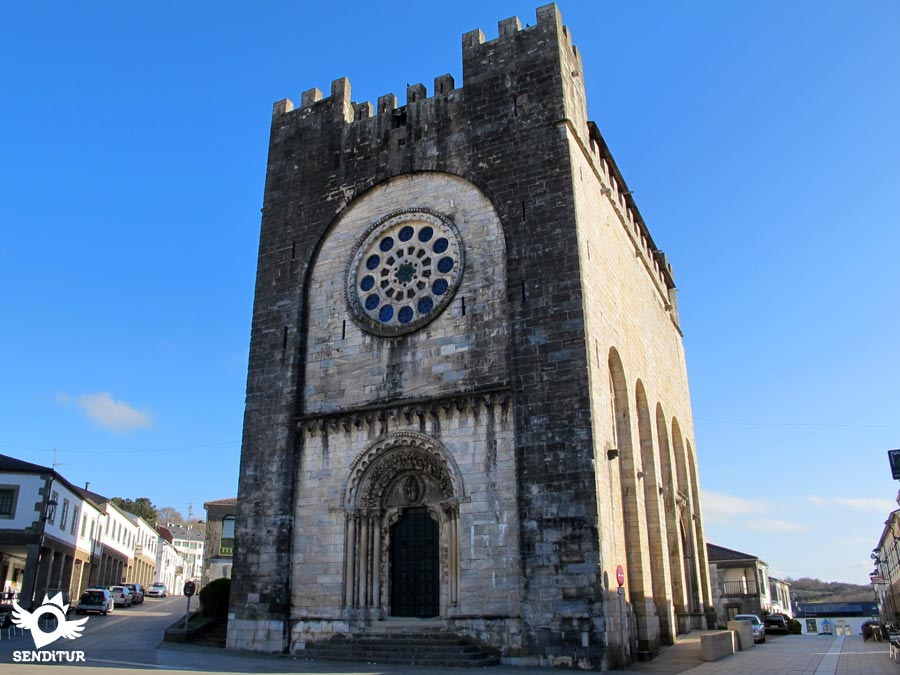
338,107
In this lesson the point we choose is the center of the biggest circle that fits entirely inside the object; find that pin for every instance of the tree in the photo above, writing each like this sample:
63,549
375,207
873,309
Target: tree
169,514
142,507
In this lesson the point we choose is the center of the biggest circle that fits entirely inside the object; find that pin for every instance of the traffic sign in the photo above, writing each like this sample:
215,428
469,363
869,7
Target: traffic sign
620,575
189,588
894,459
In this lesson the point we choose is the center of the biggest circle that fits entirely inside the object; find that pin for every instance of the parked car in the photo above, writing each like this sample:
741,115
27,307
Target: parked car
776,623
95,599
121,596
759,629
137,591
156,590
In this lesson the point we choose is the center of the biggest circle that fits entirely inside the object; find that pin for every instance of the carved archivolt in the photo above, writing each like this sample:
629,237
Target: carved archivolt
398,465
401,470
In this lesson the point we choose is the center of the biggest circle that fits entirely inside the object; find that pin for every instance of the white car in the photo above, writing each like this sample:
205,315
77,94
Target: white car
122,596
759,628
157,590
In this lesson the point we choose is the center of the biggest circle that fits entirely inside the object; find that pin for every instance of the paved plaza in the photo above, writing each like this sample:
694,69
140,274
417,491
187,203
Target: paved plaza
780,655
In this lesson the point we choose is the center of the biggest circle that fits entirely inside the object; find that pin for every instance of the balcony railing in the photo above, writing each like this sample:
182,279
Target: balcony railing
740,588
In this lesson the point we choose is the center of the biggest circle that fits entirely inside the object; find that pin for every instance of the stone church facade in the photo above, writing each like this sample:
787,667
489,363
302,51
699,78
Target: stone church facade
467,400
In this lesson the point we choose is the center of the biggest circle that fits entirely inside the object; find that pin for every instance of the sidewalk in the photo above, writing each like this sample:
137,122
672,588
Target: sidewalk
780,655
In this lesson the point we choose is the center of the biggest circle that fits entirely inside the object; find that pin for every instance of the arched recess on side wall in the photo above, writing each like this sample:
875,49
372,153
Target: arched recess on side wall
658,564
631,520
706,591
686,523
668,482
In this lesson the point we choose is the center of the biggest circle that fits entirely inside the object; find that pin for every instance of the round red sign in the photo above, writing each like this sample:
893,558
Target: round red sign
620,575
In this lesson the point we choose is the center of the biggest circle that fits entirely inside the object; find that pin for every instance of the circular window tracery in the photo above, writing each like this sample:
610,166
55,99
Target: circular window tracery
404,271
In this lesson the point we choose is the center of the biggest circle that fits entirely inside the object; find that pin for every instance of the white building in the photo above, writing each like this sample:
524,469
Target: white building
188,539
169,565
142,569
49,532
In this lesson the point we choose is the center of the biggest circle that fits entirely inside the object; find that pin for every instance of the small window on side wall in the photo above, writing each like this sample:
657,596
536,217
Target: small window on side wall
8,497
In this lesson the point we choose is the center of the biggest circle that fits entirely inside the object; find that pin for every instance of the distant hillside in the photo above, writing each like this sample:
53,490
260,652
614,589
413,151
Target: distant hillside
814,590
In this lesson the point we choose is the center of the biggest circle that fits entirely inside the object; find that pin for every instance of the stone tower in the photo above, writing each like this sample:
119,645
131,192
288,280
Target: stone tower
467,400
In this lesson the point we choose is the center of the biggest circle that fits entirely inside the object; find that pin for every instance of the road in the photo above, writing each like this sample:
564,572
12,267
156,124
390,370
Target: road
126,636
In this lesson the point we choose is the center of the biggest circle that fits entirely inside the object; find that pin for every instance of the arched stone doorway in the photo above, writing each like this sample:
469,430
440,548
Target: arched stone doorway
402,530
415,565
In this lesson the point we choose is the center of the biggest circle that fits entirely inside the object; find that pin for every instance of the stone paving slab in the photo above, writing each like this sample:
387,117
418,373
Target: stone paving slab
781,655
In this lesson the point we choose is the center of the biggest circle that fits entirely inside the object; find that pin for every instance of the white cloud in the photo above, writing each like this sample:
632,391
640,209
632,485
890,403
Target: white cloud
721,508
107,412
867,504
774,525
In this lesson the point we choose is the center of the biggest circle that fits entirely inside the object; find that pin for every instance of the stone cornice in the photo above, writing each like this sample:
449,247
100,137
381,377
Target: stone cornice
408,409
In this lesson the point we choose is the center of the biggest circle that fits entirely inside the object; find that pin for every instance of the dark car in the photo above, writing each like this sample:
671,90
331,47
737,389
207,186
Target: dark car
95,600
776,623
137,592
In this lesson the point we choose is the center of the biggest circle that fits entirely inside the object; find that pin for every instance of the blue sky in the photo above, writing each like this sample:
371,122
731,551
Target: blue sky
760,140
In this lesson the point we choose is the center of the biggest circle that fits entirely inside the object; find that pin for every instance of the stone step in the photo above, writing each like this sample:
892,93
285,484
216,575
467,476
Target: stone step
402,640
214,637
430,648
437,662
389,650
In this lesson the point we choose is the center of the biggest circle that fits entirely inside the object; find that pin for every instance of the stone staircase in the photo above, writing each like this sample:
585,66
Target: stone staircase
214,637
404,645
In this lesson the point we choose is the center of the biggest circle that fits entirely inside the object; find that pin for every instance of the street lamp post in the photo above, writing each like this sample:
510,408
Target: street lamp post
49,513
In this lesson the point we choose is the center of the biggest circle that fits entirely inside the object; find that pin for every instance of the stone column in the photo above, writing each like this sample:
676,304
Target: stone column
363,561
350,560
453,566
376,563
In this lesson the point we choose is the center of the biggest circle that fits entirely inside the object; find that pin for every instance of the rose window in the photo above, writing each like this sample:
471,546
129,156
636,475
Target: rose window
404,271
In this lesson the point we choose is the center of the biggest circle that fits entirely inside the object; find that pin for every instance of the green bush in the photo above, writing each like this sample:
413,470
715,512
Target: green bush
214,597
794,627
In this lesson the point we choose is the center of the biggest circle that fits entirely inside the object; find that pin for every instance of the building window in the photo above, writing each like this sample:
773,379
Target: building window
404,271
64,518
226,547
8,499
74,529
83,524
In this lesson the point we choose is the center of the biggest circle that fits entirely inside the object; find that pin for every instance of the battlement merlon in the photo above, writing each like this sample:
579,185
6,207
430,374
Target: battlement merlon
515,49
339,108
